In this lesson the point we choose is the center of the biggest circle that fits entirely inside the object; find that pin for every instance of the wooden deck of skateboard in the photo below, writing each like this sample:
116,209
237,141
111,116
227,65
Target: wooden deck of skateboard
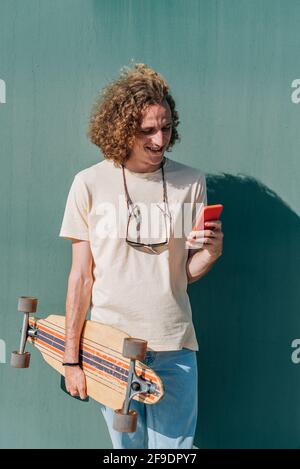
105,368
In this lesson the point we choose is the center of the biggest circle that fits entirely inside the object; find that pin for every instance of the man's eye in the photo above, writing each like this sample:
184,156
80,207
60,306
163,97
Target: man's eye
165,129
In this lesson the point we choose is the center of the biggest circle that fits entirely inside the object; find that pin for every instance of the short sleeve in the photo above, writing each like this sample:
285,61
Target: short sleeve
201,192
200,197
75,219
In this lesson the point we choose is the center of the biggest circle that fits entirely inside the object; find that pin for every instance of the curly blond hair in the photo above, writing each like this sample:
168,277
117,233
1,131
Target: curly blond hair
117,112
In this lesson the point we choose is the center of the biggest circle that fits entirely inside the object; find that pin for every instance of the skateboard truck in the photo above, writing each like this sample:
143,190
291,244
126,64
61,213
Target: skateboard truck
125,420
21,359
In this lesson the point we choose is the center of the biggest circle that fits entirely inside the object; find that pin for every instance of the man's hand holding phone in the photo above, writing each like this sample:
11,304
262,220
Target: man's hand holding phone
207,233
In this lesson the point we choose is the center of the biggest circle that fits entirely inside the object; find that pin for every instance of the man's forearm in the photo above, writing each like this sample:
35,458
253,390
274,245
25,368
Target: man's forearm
77,304
198,265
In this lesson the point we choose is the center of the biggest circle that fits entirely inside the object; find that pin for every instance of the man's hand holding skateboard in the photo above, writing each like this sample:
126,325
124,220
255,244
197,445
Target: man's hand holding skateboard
75,381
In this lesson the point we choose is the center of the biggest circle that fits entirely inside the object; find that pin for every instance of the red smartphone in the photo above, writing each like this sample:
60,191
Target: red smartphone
208,213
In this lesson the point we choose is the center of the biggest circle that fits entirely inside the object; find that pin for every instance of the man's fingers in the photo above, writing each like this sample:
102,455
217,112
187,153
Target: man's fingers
82,394
82,390
201,233
200,242
216,223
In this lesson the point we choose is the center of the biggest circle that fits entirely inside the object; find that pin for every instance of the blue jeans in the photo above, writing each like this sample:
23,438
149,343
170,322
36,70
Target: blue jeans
170,423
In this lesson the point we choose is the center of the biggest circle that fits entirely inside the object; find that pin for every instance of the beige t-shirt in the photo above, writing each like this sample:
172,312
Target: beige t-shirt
140,291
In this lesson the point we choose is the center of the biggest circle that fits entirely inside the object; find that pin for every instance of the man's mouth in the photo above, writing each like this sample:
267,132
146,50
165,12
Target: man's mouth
154,150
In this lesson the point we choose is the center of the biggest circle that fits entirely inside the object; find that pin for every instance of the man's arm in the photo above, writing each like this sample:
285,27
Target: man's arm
198,265
210,242
78,299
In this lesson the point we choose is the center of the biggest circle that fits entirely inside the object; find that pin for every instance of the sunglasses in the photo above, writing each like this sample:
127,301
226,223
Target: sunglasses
151,246
131,210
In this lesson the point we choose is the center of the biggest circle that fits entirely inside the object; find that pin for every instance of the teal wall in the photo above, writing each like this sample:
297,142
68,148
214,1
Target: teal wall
230,64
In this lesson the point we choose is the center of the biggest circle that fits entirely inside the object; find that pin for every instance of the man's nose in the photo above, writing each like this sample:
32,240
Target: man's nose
158,139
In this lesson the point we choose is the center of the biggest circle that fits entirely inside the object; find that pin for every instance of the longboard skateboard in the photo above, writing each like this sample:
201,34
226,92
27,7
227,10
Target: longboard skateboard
110,359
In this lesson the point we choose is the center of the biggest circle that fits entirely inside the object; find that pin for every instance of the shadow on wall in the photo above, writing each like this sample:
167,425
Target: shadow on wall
246,314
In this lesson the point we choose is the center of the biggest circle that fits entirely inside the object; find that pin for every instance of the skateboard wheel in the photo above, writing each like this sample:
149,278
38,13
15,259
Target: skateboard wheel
27,304
134,348
20,360
125,422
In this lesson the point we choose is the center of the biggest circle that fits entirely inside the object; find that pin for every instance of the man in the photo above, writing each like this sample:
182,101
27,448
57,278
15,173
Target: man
134,281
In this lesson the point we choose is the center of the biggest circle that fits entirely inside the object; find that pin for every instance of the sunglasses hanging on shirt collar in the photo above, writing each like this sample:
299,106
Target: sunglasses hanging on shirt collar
135,212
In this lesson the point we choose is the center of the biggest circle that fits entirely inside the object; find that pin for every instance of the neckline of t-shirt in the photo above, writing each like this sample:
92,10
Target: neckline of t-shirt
148,174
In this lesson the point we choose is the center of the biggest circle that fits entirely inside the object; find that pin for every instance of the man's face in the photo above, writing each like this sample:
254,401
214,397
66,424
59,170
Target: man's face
153,136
